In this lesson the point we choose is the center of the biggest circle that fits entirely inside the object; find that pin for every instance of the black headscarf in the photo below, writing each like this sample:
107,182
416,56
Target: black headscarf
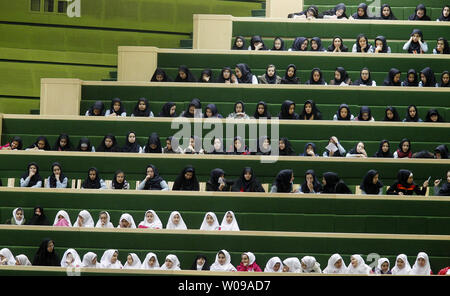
92,184
114,147
38,219
86,142
364,109
97,105
139,113
290,80
408,118
165,111
43,257
267,151
52,179
333,11
316,183
313,146
415,46
338,113
431,79
242,185
391,14
243,43
343,48
314,111
197,104
266,111
344,76
242,104
288,150
367,184
221,149
153,139
311,8
247,76
365,16
332,180
256,39
384,49
284,113
273,79
311,79
442,84
209,73
443,150
358,47
160,71
283,181
414,17
433,112
389,81
19,140
416,79
446,46
190,77
298,42
116,185
282,44
214,111
361,81
131,147
205,265
354,150
220,79
41,138
181,183
121,110
214,178
394,111
443,18
68,146
36,177
319,44
402,177
380,152
155,182
243,149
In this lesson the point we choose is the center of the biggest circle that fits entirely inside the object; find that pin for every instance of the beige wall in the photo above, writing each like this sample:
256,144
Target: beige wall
136,63
281,8
212,31
60,96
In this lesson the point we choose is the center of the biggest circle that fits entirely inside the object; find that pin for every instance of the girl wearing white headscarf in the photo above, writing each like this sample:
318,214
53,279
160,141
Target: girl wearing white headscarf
335,265
422,265
17,217
310,265
147,265
104,220
402,266
71,259
90,260
62,219
129,219
210,223
229,222
87,220
110,260
271,265
379,268
133,262
358,266
6,257
292,264
22,260
151,220
248,263
176,221
171,263
222,262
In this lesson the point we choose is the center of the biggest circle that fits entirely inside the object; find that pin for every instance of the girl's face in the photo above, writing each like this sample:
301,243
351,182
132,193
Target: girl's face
37,212
291,72
103,218
360,146
226,74
229,218
434,118
389,114
309,179
362,42
385,147
261,109
304,45
169,144
385,267
169,264
150,172
129,260
238,72
421,262
209,220
116,106
337,75
237,144
308,108
60,217
142,105
41,144
285,268
375,179
114,257
343,112
208,112
412,112
159,77
416,37
400,263
365,116
310,149
221,258
188,175
245,260
205,77
411,77
70,258
420,13
151,261
56,170
97,111
132,138
271,71
266,143
379,43
124,223
445,78
239,42
446,11
282,145
182,74
173,109
176,219
50,246
108,142
14,144
440,45
276,267
365,74
360,12
19,215
92,175
386,11
303,265
292,178
217,144
149,216
316,76
277,44
410,179
247,176
339,12
201,261
120,178
337,43
291,109
94,261
338,264
354,262
80,220
238,108
397,77
192,109
63,142
314,44
405,147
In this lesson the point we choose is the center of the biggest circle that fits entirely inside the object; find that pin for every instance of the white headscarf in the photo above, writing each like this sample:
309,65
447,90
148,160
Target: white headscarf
146,265
156,224
293,263
378,270
405,270
76,259
136,262
175,263
9,258
23,260
251,257
362,267
106,260
311,265
216,266
181,224
331,268
419,270
19,222
206,226
129,218
87,260
87,219
271,263
233,226
108,223
65,215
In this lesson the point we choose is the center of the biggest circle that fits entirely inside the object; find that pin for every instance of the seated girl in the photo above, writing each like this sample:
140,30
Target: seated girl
365,78
211,111
334,148
316,78
404,149
184,75
186,180
160,76
62,219
206,76
172,146
412,114
288,110
239,43
110,260
153,144
248,263
371,183
108,144
278,44
210,222
393,78
290,77
31,177
358,151
427,78
168,110
239,111
93,180
310,111
176,221
15,144
41,144
381,45
119,181
270,77
411,78
57,179
343,113
151,221
222,262
341,77
142,109
84,145
256,43
247,182
299,44
152,180
404,185
116,109
311,184
420,14
217,181
63,143
243,74
365,114
337,45
98,109
416,44
284,182
131,144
